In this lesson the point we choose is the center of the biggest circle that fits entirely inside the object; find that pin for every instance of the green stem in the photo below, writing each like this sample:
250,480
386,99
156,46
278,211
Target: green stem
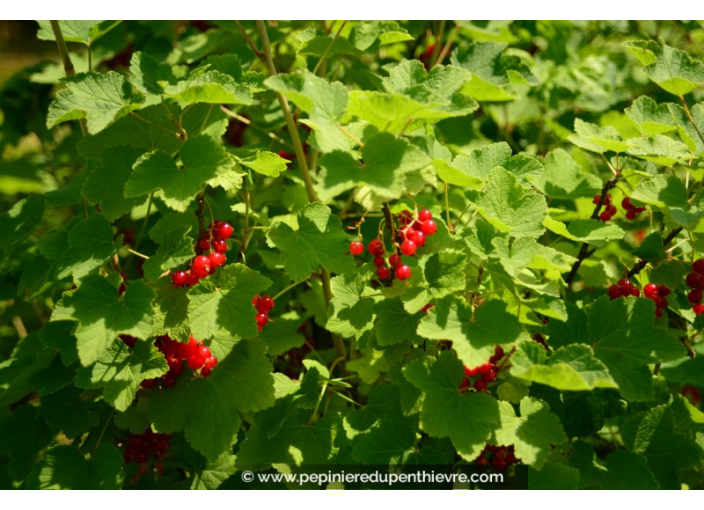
327,50
66,59
284,291
447,208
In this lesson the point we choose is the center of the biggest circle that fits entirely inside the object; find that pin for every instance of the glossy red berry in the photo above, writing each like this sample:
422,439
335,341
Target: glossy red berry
379,261
425,215
223,231
204,243
615,292
195,362
219,245
403,272
650,290
408,247
698,266
179,278
356,248
695,281
376,247
479,385
383,273
203,352
201,266
694,296
394,260
262,319
626,204
265,304
631,215
429,228
217,259
417,236
210,362
698,309
204,372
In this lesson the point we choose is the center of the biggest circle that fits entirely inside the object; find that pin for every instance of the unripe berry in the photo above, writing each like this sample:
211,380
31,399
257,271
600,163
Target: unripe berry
356,248
403,272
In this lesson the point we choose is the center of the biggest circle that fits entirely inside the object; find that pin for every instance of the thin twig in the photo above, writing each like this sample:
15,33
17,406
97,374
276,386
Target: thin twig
327,50
256,51
245,120
665,242
66,59
691,119
448,45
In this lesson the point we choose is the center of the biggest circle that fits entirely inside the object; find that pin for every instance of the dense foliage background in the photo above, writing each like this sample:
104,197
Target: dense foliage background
548,318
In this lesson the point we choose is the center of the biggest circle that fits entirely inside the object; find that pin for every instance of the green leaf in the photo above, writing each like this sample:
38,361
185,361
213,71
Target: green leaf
66,411
207,410
394,324
597,139
106,184
201,161
66,468
659,149
351,312
265,163
102,314
211,476
210,87
553,477
570,368
323,101
673,70
369,35
466,418
563,178
90,246
650,118
148,76
317,240
79,31
224,305
532,433
620,470
23,435
99,98
594,232
669,193
19,222
510,207
386,161
120,370
526,252
176,249
474,333
626,341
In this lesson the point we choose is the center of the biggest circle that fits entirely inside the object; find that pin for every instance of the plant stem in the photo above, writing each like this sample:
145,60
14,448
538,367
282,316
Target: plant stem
448,45
290,123
438,41
302,164
177,135
284,291
66,59
200,201
665,242
102,433
327,50
447,209
256,51
390,225
245,120
691,119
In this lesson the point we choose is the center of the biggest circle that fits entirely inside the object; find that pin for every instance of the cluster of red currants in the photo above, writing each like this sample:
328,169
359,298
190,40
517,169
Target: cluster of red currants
203,265
194,354
263,305
141,446
631,210
609,208
501,457
486,372
411,236
695,280
623,288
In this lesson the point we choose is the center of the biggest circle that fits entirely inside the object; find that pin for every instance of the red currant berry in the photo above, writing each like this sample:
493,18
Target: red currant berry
191,278
615,292
219,245
694,296
179,278
631,215
663,290
223,231
698,266
204,243
464,384
201,266
403,272
698,309
383,273
148,384
141,457
176,369
379,261
262,319
485,368
195,362
416,236
405,217
394,260
210,362
376,247
626,204
471,372
169,380
265,304
408,247
604,216
650,290
498,354
425,215
217,259
204,372
695,281
203,352
429,228
479,385
356,248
